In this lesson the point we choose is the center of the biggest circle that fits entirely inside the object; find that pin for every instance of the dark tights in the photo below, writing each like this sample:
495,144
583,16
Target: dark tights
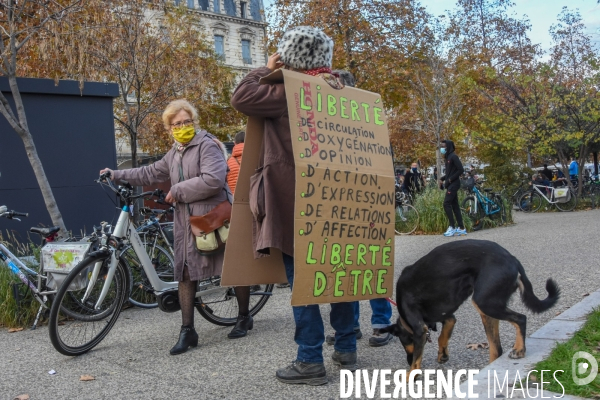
187,296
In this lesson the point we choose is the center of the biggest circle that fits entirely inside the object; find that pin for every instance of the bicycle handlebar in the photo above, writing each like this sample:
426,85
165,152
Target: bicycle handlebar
11,214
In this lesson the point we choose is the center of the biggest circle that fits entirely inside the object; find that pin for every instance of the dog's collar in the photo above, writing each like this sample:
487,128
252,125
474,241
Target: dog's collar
405,325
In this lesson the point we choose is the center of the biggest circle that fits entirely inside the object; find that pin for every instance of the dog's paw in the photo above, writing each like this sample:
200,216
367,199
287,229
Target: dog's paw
516,353
442,358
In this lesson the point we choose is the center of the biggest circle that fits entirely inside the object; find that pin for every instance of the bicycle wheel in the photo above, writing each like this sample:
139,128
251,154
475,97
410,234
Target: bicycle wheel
530,202
142,292
407,219
221,307
75,326
474,213
569,205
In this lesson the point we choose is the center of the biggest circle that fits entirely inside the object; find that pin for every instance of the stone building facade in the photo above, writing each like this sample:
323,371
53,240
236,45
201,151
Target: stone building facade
237,29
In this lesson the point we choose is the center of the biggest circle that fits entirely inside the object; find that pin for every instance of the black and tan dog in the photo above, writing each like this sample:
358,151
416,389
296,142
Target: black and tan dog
433,288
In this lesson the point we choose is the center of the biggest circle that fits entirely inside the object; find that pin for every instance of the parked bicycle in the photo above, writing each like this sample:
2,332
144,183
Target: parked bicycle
75,336
564,198
43,283
478,205
407,216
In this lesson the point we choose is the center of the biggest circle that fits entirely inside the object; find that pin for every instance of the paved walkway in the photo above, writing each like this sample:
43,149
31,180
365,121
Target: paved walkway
133,361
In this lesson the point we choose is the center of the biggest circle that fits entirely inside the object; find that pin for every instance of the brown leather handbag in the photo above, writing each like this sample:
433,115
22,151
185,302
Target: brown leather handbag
212,229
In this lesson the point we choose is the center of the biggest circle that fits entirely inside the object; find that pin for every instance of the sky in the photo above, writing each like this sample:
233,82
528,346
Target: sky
541,13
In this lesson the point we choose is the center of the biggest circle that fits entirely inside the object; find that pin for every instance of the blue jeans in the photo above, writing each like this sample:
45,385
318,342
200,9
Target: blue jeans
310,332
380,318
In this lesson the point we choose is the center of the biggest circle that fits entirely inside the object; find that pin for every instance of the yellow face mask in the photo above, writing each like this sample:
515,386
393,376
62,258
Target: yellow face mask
184,134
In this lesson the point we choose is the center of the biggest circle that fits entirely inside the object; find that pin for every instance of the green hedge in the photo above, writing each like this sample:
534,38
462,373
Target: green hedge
432,217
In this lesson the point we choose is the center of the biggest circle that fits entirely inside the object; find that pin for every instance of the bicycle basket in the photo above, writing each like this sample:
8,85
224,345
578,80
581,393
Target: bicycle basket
468,183
562,195
58,259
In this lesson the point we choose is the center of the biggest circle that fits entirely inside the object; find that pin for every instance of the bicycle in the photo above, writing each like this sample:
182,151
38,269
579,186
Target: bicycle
477,206
563,198
109,274
42,284
407,216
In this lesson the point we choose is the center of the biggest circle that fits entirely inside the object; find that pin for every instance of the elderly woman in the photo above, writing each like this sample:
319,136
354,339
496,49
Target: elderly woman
197,169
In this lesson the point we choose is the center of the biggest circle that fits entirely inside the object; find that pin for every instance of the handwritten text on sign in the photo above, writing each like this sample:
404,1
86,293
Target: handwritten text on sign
344,211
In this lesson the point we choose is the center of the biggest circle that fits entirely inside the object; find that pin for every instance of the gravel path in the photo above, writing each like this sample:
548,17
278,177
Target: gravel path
133,361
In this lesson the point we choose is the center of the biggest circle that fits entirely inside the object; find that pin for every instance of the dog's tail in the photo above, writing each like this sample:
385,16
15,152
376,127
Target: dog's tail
529,298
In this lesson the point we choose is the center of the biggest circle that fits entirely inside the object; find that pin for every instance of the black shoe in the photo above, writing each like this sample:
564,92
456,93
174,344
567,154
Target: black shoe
330,339
243,324
344,360
303,373
187,337
380,339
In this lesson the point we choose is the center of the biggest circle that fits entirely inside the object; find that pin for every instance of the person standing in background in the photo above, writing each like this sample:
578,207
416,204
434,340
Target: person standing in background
451,183
573,168
235,161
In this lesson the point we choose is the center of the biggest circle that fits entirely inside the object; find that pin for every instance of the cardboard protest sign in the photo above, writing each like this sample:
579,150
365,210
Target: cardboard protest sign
240,268
344,200
344,212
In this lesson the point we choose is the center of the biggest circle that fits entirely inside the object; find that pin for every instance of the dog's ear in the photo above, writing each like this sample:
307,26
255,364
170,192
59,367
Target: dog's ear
394,329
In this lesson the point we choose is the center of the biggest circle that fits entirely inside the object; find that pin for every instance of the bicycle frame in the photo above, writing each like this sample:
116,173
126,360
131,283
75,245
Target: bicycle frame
485,201
16,266
536,188
126,231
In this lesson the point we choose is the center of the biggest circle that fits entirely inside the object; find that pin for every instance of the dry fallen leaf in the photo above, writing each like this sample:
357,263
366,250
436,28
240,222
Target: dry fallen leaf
22,397
86,378
11,330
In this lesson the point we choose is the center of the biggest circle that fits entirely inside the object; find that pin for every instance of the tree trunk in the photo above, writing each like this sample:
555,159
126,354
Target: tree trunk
42,180
133,145
21,127
595,154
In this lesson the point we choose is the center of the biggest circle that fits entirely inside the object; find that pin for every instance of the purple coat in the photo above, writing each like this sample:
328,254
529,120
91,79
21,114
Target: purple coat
204,170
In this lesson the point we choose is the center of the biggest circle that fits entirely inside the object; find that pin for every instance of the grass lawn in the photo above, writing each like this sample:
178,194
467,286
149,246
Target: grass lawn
588,340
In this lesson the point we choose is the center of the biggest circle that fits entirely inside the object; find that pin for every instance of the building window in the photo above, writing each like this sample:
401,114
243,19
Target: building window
203,5
220,47
243,9
190,3
246,51
230,8
255,10
217,6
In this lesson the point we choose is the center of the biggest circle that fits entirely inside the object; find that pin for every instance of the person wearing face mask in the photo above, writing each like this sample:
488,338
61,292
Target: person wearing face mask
413,180
451,183
197,170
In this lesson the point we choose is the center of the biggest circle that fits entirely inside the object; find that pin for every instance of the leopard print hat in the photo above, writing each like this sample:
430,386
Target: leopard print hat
305,47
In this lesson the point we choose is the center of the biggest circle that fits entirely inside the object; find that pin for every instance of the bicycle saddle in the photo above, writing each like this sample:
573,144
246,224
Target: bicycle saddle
488,190
45,232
